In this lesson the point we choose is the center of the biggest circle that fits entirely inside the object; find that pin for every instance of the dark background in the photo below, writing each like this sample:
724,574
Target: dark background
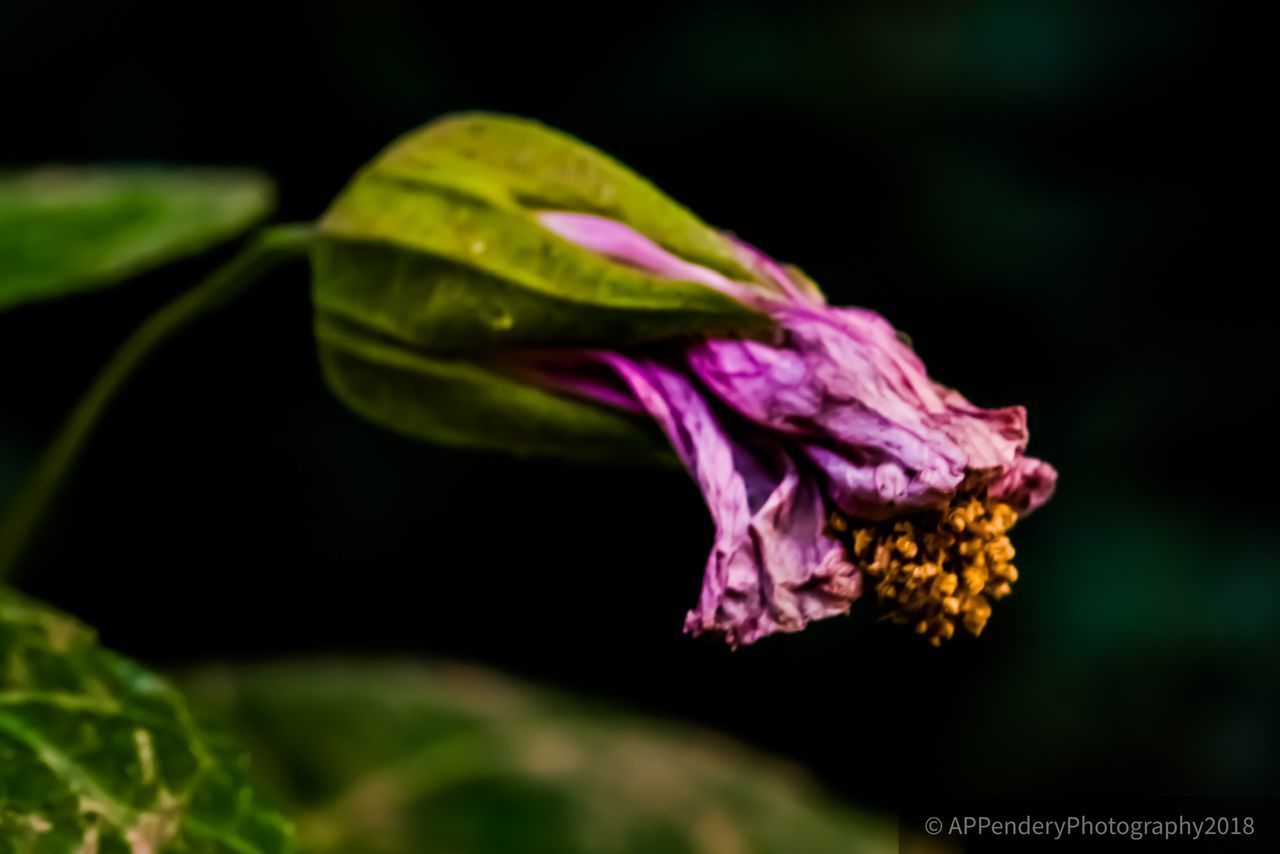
1049,197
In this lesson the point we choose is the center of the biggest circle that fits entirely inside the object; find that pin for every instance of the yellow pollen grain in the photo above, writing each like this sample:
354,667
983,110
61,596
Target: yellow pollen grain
862,540
940,570
1001,550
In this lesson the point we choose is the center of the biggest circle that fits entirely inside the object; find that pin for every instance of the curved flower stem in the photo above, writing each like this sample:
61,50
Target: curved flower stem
269,248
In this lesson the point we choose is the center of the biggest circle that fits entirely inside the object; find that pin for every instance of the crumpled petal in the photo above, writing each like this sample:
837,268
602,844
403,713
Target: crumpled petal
772,567
1028,485
837,412
889,439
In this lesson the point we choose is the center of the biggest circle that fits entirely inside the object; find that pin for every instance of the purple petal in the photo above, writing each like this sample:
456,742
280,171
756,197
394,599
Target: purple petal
772,567
628,246
1026,486
838,412
888,438
766,269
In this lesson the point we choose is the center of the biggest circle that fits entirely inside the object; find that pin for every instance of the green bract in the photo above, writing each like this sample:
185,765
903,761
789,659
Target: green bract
432,262
98,755
65,229
456,401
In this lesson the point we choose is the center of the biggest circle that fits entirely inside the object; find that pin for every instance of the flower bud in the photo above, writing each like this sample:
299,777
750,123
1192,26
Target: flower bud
433,274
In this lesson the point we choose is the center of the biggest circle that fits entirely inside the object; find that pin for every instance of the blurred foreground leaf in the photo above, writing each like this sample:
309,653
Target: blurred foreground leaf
395,758
65,229
98,755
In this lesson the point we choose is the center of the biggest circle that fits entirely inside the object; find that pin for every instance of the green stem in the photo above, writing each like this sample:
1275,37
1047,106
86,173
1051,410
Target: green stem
269,248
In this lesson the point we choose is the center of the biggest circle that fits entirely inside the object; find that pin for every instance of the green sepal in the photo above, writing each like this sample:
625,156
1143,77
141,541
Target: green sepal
459,401
433,260
439,269
533,166
444,221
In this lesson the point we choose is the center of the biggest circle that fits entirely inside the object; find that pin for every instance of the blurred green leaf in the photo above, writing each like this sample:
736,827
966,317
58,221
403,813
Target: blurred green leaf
400,758
65,229
96,754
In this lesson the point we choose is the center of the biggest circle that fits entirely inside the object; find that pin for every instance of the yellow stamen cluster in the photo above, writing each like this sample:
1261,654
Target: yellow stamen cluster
938,569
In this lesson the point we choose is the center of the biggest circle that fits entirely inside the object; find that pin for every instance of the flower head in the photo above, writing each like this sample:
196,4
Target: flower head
490,282
827,457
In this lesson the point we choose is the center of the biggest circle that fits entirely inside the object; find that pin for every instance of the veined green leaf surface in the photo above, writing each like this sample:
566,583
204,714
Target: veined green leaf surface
65,229
99,756
392,758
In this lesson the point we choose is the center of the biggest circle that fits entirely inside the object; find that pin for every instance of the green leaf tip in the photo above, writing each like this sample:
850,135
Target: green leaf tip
67,229
99,755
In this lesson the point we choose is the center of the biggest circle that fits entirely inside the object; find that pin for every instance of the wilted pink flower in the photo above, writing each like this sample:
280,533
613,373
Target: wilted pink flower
827,456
